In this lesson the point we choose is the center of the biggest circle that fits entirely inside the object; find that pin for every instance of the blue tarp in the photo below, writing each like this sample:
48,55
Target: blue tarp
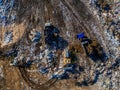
80,35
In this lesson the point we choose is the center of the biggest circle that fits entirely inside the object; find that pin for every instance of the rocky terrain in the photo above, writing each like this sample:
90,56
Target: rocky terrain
32,60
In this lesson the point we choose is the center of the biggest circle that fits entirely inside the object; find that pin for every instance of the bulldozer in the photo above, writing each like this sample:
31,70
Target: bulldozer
67,59
69,56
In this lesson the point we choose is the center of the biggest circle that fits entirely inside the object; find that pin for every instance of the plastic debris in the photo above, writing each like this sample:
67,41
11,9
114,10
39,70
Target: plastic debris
5,8
62,76
36,37
13,52
8,37
14,62
43,70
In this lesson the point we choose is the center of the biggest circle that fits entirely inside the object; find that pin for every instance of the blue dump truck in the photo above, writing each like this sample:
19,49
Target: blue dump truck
92,48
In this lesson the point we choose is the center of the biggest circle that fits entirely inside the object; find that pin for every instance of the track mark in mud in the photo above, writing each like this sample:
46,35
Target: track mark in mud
34,85
78,18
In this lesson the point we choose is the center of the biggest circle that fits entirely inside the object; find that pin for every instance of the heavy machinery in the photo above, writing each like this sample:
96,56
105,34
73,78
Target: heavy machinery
85,42
67,59
91,48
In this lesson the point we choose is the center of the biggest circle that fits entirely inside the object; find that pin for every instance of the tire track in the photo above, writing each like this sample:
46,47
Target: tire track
34,85
81,23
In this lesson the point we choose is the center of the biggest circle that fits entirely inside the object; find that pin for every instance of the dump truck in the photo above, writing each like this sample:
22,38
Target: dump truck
89,45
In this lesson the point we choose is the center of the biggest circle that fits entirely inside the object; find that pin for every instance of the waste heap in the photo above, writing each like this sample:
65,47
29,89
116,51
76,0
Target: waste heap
108,15
7,18
7,15
107,12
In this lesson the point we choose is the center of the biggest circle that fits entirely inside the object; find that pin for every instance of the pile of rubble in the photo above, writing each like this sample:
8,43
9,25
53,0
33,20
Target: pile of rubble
7,15
43,51
8,37
108,14
45,57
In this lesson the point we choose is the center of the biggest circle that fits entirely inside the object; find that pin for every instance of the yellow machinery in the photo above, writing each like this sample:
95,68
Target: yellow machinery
67,59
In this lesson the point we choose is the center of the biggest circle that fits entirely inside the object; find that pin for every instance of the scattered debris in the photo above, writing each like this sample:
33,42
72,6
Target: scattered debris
35,36
5,9
8,37
51,57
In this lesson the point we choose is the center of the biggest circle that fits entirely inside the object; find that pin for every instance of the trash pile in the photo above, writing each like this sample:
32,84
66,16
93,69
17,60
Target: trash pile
7,15
45,56
35,35
22,55
108,14
51,56
110,78
8,37
11,53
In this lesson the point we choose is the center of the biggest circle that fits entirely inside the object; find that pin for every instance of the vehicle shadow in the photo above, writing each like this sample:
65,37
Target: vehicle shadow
93,49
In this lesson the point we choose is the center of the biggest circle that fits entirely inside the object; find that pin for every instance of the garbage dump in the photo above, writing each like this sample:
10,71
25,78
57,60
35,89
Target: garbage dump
6,7
47,60
35,35
78,47
12,52
8,37
109,18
